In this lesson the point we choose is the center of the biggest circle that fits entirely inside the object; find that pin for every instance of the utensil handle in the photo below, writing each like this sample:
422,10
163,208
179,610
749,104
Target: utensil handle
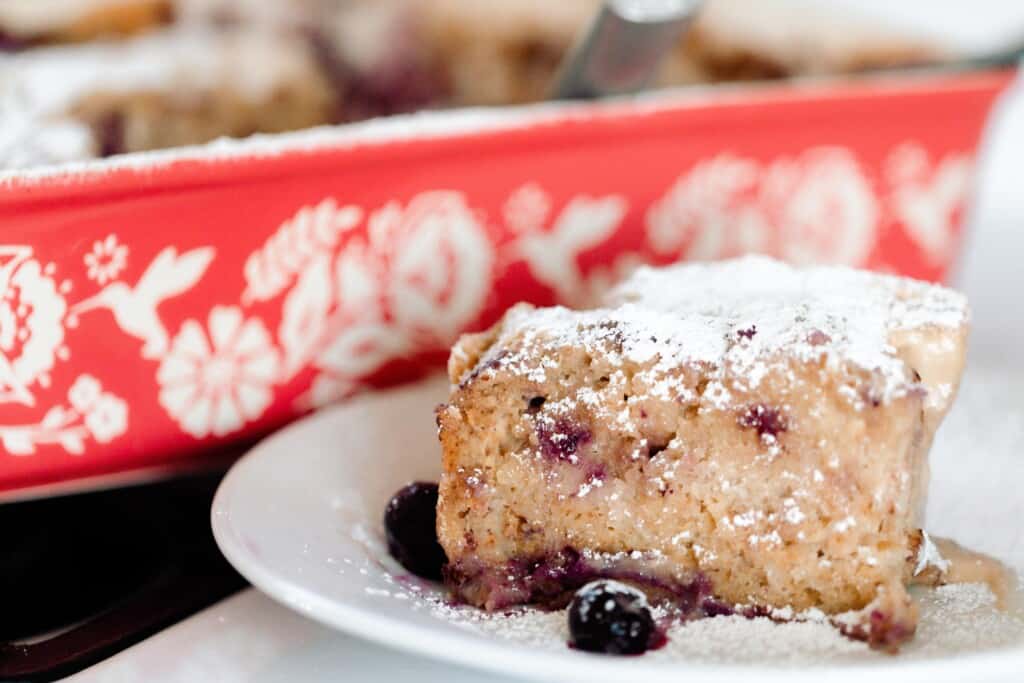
623,47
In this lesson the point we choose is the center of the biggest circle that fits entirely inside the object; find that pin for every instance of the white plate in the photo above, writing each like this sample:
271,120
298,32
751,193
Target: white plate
300,517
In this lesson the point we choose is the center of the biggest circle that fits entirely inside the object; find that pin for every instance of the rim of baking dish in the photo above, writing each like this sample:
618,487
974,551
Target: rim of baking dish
229,161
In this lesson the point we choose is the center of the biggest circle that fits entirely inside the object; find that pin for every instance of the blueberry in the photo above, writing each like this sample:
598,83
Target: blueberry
747,333
612,618
410,523
560,440
766,420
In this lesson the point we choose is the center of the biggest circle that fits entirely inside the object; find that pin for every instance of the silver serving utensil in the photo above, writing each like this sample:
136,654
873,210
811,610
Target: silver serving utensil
622,48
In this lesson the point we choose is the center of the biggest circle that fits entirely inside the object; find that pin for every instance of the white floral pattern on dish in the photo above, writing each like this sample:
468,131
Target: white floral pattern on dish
215,384
553,254
824,207
31,324
817,207
93,413
84,393
106,260
926,195
107,419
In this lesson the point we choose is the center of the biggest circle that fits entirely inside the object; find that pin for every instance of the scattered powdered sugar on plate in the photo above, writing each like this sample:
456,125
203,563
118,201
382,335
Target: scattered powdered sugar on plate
961,618
525,626
955,619
737,640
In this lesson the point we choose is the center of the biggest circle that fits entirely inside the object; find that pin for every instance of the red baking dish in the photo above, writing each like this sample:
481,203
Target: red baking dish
156,308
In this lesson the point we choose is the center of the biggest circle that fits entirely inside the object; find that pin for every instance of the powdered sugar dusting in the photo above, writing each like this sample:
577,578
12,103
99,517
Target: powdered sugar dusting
758,310
929,556
957,618
742,318
528,627
739,640
964,618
